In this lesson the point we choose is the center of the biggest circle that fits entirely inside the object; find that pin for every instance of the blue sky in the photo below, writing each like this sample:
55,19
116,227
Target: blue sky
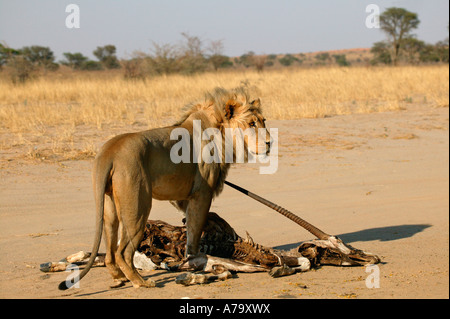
262,26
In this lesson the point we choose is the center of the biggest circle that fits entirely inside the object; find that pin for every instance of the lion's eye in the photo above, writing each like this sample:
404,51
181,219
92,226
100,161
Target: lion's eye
252,124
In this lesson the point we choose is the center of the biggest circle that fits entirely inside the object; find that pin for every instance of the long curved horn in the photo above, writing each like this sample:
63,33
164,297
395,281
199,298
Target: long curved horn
311,228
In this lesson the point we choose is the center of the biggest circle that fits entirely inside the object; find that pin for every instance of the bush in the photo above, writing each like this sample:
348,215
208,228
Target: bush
322,57
246,59
380,51
435,53
220,61
134,69
6,54
74,60
91,66
341,59
21,69
192,56
40,57
259,61
107,56
288,59
164,59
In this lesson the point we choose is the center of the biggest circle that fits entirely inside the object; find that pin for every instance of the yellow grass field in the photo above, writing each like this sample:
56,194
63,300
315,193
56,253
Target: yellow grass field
63,101
85,98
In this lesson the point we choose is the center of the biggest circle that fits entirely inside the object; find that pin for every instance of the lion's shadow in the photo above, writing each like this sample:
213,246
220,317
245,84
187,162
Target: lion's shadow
388,233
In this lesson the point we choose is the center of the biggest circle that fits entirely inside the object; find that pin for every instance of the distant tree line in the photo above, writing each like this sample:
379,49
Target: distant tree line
25,62
192,55
106,56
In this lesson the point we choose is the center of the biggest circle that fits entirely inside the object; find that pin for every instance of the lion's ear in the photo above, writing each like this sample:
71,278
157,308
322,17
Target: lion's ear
230,109
256,103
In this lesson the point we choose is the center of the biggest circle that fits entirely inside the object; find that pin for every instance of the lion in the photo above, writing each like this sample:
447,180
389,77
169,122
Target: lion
132,169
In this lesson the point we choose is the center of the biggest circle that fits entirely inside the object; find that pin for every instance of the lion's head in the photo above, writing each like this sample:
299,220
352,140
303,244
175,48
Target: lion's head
232,130
243,117
239,120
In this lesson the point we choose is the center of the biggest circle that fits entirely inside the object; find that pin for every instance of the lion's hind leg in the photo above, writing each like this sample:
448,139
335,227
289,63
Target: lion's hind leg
133,206
125,253
111,233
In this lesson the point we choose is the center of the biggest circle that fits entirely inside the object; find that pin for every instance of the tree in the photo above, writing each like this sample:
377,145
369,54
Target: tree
164,58
40,56
6,54
78,61
74,60
192,59
220,61
216,56
398,23
246,59
107,56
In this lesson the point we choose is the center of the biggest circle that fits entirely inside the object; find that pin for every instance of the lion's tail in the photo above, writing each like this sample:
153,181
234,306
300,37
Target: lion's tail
102,173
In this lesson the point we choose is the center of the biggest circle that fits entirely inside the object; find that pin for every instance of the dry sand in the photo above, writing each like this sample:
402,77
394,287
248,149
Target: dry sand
378,181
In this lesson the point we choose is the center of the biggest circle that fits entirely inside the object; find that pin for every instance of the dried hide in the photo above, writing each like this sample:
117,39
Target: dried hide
165,244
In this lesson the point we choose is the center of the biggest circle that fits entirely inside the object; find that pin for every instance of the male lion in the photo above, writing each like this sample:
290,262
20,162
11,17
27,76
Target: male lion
133,168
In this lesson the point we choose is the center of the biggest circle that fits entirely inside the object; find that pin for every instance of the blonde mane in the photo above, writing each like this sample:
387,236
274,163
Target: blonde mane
217,103
219,109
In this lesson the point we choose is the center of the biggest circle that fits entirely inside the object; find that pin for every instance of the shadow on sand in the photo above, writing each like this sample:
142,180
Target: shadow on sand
387,233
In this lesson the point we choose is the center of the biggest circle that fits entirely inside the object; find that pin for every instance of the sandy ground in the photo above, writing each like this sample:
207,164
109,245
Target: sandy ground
378,181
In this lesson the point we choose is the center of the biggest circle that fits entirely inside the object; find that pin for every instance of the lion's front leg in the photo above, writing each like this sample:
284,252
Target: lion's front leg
196,215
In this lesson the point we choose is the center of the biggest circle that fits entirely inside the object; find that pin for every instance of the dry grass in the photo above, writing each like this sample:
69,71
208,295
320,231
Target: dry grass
286,95
65,102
